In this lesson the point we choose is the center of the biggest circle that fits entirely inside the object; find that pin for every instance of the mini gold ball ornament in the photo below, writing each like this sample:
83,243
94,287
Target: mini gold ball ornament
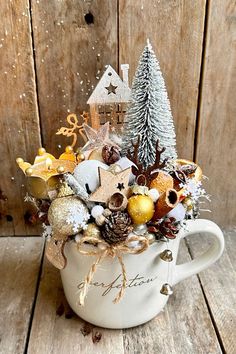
140,208
19,160
92,231
80,157
188,203
60,212
29,171
60,169
41,151
69,149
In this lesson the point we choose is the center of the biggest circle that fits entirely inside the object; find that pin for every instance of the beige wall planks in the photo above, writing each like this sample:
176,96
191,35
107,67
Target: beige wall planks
175,29
216,148
70,57
19,128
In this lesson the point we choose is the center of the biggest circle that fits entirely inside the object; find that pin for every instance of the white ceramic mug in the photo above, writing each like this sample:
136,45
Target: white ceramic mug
146,273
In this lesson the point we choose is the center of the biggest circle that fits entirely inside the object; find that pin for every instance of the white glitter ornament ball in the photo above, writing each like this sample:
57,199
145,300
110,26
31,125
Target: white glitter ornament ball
87,173
153,194
178,212
97,211
67,216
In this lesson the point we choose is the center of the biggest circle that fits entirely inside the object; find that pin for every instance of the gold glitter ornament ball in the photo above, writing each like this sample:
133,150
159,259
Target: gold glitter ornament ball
140,208
92,231
60,210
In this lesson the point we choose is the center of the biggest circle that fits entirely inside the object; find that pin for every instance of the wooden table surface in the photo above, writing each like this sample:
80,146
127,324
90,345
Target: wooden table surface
200,316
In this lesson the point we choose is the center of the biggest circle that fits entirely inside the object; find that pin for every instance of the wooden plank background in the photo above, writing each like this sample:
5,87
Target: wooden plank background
51,59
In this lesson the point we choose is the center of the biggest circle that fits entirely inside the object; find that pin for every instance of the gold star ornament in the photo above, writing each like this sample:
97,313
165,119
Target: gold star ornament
111,183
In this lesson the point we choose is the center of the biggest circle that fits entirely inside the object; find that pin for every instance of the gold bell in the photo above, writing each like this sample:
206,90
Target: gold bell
166,289
166,256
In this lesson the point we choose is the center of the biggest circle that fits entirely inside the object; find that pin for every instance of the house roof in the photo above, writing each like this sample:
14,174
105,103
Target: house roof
110,89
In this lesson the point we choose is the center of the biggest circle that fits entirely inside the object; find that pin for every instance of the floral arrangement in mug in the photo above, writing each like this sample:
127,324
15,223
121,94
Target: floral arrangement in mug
117,194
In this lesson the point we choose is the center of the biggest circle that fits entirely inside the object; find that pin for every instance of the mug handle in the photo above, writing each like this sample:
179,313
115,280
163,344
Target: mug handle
209,257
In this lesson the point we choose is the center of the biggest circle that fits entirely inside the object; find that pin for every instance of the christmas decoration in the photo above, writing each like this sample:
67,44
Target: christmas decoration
96,211
140,208
76,187
68,154
110,205
110,154
86,174
67,216
117,201
92,230
55,253
43,175
100,220
104,250
166,256
64,190
108,102
166,202
96,154
162,182
145,175
109,184
73,121
166,289
97,139
78,217
117,227
149,114
168,228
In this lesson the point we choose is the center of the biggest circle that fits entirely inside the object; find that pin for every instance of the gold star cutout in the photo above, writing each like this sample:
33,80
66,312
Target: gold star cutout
111,89
111,183
97,138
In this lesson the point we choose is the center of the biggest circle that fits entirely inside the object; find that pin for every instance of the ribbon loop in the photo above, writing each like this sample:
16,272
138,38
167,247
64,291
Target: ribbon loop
102,250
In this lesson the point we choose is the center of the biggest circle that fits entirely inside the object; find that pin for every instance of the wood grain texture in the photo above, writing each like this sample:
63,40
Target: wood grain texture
19,261
19,128
55,334
183,327
218,283
216,148
175,29
70,58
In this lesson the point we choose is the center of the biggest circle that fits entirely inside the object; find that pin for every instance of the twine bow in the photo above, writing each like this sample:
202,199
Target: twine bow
107,250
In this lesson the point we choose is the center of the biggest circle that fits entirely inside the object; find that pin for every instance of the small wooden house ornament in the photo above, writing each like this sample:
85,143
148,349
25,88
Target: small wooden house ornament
108,102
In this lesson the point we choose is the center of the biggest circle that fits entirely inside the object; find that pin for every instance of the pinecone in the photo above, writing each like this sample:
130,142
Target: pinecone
168,228
117,227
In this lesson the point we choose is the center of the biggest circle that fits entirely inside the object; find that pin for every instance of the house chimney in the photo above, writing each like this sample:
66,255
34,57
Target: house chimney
125,73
